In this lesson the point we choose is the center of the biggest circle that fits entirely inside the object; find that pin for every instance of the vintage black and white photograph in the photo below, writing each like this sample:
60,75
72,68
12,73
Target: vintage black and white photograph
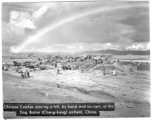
76,53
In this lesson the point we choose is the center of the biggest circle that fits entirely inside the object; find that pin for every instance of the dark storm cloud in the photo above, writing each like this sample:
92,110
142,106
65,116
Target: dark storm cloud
141,25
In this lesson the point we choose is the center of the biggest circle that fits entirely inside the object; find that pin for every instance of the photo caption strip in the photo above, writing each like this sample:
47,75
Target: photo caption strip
58,109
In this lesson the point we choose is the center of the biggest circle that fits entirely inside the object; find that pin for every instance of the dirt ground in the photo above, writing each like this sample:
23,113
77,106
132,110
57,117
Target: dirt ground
130,93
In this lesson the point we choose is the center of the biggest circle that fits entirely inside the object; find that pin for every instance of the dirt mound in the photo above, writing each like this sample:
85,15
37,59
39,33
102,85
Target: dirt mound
116,66
99,67
83,65
88,65
108,67
130,68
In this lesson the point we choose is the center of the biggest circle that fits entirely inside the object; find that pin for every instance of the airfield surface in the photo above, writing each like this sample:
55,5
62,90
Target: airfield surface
130,92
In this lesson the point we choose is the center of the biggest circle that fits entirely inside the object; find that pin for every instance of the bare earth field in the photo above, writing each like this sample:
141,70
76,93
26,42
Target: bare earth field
130,92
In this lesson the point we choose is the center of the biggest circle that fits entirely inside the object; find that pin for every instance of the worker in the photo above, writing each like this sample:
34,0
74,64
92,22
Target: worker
28,73
104,72
55,65
22,75
114,73
58,71
82,70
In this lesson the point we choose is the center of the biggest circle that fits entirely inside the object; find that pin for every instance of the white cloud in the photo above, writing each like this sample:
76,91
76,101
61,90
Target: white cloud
21,19
108,44
81,47
13,16
148,45
138,46
40,12
14,49
71,47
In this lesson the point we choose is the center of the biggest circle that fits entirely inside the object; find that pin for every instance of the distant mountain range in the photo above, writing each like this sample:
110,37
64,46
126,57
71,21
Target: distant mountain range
117,52
111,52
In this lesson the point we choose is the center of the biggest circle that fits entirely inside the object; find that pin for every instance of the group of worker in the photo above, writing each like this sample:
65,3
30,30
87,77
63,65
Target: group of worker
104,72
25,73
113,72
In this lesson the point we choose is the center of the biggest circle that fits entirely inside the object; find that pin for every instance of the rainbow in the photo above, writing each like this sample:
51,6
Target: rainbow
35,37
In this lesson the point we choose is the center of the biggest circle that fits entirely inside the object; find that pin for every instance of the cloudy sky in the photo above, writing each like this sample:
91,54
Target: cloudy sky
75,26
